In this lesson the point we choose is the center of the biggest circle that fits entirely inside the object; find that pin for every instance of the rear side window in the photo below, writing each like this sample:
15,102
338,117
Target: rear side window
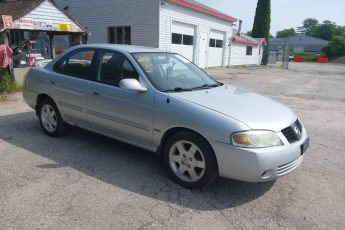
77,64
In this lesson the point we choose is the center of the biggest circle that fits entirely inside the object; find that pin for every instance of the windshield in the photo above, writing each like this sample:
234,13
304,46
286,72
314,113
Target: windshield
172,72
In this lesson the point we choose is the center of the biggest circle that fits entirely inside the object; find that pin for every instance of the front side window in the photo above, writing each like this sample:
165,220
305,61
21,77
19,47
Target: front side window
172,72
119,35
114,67
249,51
77,64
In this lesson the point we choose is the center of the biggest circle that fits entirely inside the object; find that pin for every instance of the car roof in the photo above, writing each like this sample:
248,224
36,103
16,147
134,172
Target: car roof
124,48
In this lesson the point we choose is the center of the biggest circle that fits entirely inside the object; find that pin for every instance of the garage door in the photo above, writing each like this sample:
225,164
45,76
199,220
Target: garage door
216,46
183,39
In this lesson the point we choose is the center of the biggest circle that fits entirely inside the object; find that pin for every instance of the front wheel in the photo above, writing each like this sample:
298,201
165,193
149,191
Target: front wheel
189,160
50,119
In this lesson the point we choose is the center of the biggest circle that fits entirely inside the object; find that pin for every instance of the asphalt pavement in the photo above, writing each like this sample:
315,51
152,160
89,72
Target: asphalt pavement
87,181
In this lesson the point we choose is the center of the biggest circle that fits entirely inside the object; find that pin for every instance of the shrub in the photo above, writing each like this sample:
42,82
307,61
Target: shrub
7,84
308,57
336,48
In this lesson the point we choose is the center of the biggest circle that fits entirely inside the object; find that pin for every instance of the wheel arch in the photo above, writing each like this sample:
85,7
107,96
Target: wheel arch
41,97
170,132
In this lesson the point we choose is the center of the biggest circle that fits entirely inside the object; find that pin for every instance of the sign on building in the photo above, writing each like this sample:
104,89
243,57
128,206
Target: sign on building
7,21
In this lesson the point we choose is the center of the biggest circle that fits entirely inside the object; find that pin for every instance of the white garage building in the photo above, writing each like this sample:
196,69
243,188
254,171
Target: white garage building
196,31
246,50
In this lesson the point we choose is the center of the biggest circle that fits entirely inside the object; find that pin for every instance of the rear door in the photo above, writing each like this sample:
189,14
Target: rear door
69,82
113,110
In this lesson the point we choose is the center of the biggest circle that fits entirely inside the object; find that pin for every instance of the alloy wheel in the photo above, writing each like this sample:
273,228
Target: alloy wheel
187,161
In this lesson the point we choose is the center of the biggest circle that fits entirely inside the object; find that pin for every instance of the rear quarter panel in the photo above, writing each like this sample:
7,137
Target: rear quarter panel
34,84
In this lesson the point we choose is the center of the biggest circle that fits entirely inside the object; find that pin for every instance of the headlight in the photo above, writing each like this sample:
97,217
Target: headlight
255,139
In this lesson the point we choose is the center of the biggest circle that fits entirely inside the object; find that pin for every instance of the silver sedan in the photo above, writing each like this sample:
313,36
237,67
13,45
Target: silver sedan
162,102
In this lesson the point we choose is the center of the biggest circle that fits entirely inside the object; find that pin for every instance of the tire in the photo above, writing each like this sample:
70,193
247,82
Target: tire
189,160
50,118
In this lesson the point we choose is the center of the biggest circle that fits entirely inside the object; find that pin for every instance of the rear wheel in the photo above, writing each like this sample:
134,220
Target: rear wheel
189,160
50,119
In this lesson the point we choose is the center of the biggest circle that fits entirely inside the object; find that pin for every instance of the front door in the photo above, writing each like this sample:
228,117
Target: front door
115,111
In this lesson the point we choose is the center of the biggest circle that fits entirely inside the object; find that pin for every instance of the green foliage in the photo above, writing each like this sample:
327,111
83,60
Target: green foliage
286,33
262,25
8,85
308,26
339,60
325,30
336,48
308,57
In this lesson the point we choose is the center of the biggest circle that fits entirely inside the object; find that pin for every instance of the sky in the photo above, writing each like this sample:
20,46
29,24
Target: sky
285,13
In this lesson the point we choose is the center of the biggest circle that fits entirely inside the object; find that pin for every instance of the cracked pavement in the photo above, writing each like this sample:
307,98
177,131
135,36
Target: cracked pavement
87,181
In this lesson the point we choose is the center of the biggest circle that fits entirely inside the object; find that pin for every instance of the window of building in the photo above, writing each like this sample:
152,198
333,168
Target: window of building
216,43
114,67
180,39
249,51
176,38
119,35
219,43
188,39
212,42
77,64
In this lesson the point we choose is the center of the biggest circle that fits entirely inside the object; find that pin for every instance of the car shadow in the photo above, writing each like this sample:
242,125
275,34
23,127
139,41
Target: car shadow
127,167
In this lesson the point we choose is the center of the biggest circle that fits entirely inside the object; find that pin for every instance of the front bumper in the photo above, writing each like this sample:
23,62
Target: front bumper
260,164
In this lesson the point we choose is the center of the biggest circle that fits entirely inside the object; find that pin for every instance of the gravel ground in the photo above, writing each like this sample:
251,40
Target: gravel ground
87,181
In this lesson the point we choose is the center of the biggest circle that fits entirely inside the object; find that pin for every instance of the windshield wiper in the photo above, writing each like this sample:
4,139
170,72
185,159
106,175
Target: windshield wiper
207,86
177,89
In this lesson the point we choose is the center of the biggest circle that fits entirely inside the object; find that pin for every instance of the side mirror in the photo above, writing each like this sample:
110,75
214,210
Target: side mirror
132,84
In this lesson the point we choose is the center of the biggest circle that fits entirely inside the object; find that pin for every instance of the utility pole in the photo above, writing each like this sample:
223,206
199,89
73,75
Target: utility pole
286,53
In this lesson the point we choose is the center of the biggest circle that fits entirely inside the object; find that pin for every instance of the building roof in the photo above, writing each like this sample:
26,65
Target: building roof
245,39
300,39
204,9
20,8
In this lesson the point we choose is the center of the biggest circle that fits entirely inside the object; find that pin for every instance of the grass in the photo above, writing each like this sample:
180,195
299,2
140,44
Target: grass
8,85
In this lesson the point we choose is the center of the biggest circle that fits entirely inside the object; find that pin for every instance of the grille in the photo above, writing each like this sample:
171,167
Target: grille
286,168
290,133
299,125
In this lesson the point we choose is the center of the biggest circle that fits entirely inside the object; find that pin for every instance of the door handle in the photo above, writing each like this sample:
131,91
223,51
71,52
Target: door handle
52,82
95,93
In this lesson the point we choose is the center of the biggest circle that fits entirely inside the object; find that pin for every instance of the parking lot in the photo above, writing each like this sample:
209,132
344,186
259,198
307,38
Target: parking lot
87,181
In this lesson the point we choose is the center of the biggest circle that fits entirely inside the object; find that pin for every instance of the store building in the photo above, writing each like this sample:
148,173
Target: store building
39,23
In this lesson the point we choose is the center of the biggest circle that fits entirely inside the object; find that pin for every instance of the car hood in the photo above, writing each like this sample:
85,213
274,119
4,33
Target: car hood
254,110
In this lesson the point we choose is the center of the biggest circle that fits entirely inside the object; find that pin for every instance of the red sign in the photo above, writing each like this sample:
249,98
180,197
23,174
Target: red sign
7,21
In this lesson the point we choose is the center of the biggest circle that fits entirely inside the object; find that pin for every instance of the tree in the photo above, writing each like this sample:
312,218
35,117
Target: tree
325,30
336,48
262,25
308,26
286,33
